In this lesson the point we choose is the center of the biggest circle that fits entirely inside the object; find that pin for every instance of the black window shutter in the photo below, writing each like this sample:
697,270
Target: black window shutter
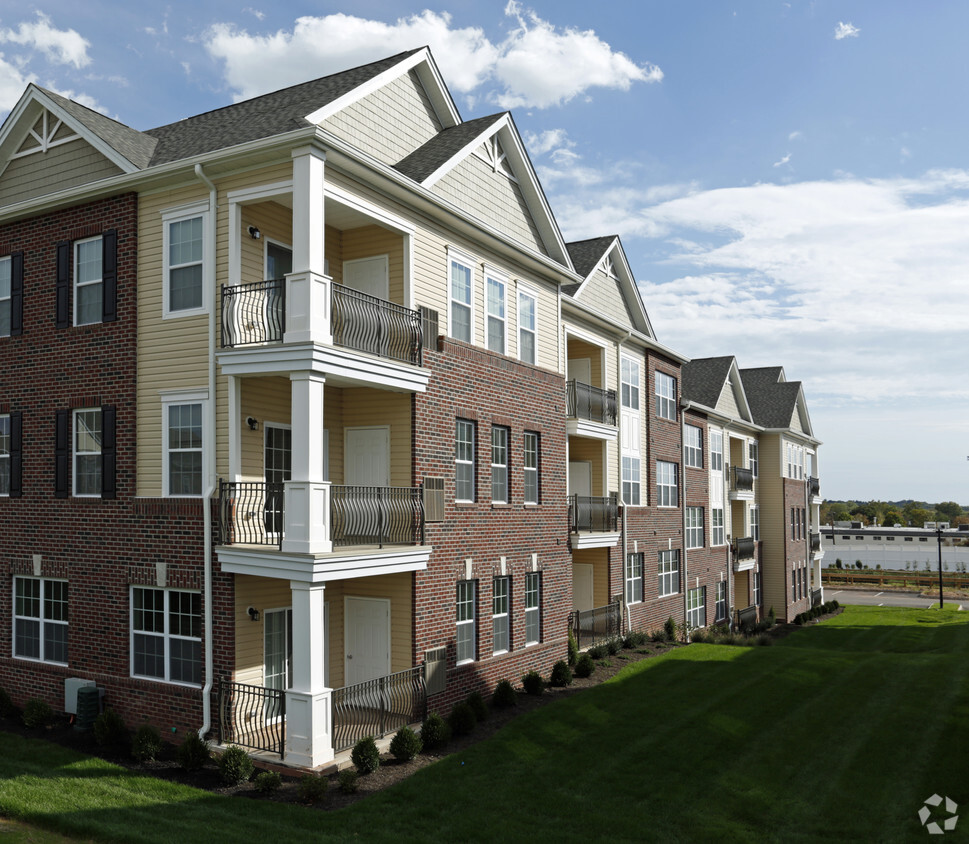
62,452
63,309
109,276
16,455
16,294
109,453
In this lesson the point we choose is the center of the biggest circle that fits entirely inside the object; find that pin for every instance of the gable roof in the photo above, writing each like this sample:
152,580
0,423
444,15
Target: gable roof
586,255
702,379
773,399
439,150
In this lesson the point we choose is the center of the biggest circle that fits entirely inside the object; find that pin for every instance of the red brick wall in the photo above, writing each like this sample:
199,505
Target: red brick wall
796,551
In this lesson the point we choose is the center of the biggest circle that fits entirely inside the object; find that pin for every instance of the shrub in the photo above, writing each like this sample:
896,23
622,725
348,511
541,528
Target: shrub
561,674
462,719
435,732
347,781
110,730
771,618
312,788
7,709
839,564
597,651
192,753
573,648
504,696
365,756
584,666
235,766
266,782
405,744
835,604
799,618
533,683
669,628
37,713
765,639
613,646
658,636
147,743
478,706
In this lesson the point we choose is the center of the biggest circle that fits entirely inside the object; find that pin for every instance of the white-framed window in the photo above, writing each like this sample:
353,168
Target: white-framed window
693,446
795,461
634,578
87,451
696,610
716,450
717,535
185,251
527,326
721,600
753,456
464,460
630,383
533,607
466,635
499,464
793,585
631,474
460,273
756,588
665,396
667,493
500,618
40,617
183,443
5,445
530,465
88,288
669,573
6,282
496,322
694,527
166,635
755,523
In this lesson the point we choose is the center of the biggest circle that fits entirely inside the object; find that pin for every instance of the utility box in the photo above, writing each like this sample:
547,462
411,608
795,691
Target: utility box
71,685
435,662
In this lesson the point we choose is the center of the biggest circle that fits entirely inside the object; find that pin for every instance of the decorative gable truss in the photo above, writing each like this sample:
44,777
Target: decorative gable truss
49,131
494,156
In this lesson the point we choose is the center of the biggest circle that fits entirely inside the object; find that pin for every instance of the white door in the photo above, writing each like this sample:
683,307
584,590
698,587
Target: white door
369,275
367,639
580,369
582,586
580,477
277,654
278,468
367,456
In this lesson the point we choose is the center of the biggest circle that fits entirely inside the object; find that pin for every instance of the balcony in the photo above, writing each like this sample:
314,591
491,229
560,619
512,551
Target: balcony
590,411
815,542
741,484
594,522
814,489
743,552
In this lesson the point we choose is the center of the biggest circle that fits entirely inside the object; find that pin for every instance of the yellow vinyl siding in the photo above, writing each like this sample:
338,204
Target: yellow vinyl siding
362,407
274,223
598,558
269,401
772,522
583,450
370,241
263,593
578,349
65,166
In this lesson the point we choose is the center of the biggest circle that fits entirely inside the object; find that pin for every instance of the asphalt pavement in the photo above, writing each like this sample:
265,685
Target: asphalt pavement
875,598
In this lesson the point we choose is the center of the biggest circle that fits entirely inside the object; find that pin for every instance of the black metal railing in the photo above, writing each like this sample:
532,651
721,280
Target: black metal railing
378,707
743,548
253,313
593,403
251,513
376,515
588,513
814,486
252,716
815,542
596,625
368,324
816,596
741,480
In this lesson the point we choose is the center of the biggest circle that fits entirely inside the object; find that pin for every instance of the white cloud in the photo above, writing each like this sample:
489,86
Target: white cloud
845,30
796,135
548,141
13,80
62,46
783,161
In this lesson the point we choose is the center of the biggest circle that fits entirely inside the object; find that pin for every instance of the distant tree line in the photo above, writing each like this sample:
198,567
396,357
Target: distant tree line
889,513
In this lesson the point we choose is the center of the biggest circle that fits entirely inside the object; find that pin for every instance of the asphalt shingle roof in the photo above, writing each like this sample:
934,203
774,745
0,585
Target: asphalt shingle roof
702,379
772,402
443,147
585,255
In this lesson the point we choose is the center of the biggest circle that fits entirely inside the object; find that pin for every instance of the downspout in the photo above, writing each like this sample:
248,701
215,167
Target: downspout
625,537
209,429
725,497
682,484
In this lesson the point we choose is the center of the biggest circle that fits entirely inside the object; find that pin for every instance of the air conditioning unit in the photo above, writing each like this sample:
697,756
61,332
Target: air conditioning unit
71,685
436,667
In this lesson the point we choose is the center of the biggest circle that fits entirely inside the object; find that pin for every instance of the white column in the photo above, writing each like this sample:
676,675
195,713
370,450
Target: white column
307,494
309,733
307,286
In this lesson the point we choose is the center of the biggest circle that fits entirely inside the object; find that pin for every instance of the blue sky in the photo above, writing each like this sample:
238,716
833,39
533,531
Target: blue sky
789,179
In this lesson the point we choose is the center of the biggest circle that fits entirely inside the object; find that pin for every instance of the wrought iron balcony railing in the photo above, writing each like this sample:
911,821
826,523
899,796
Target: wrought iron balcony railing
743,548
591,403
587,513
250,513
373,325
814,486
596,625
815,541
741,479
253,313
378,707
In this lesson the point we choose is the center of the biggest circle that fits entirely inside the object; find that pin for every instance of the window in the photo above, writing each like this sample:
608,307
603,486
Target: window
693,447
166,635
666,488
500,624
716,526
630,480
716,450
183,449
533,604
665,396
40,619
793,524
530,467
756,588
694,527
721,600
634,578
696,610
669,573
753,455
87,281
499,464
630,384
495,304
460,322
793,585
6,280
87,451
466,635
184,263
755,523
5,454
795,461
527,327
464,460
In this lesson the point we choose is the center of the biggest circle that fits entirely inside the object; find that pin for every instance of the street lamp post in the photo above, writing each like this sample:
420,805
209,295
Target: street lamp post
938,533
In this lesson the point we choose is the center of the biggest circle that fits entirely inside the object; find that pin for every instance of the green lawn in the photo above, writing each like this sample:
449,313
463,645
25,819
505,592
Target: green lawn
839,731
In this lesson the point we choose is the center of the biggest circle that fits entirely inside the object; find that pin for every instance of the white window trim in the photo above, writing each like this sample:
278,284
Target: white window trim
465,260
695,607
634,383
5,455
536,577
75,453
693,517
693,452
721,587
267,241
530,293
753,457
472,462
41,619
674,486
663,401
491,273
176,215
531,470
633,576
472,622
667,576
76,283
755,522
717,532
496,616
8,261
169,398
501,466
167,636
633,479
715,436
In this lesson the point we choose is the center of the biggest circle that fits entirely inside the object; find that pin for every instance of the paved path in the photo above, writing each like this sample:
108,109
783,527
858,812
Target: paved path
887,599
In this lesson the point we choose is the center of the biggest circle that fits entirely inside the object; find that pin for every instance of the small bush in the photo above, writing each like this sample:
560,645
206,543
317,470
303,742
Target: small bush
584,666
347,780
7,709
37,713
669,628
478,706
435,732
771,618
765,639
147,743
504,696
266,782
613,646
192,753
110,730
573,648
405,744
799,619
312,788
561,674
365,756
700,636
533,683
462,720
597,651
835,605
658,636
235,766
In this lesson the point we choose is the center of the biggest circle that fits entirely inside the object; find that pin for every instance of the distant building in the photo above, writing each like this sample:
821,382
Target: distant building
899,548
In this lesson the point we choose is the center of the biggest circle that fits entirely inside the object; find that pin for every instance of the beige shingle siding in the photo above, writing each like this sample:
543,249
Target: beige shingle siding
390,123
796,420
602,294
267,400
727,403
65,166
770,496
263,593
